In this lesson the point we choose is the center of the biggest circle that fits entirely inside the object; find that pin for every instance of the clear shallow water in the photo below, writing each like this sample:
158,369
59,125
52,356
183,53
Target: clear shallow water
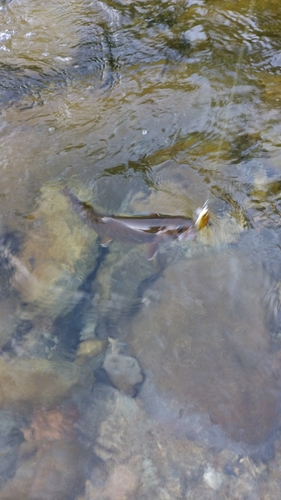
140,107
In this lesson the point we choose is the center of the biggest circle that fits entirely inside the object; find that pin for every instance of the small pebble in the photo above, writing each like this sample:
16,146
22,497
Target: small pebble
124,372
90,348
213,478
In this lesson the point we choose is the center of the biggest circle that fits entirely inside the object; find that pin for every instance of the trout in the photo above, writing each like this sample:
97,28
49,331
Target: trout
151,229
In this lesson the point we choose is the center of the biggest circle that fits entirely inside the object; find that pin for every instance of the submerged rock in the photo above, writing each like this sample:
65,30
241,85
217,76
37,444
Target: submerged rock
58,253
205,350
10,440
9,323
47,471
151,463
29,382
113,424
90,348
123,371
121,278
121,485
52,425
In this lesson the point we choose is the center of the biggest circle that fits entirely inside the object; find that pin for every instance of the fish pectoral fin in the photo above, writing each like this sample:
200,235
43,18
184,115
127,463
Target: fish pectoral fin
152,249
105,241
189,234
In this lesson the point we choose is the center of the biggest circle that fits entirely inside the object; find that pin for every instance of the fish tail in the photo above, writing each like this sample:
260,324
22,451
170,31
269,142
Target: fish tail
84,210
76,203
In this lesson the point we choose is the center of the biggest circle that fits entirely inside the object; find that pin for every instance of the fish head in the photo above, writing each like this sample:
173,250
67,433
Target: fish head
203,217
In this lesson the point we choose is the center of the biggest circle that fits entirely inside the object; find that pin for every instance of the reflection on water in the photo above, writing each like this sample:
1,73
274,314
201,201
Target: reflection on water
123,377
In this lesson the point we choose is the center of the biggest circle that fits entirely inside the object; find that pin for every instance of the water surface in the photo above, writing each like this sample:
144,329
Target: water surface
139,107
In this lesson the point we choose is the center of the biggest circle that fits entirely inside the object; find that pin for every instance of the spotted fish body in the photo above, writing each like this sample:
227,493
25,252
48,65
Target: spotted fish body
152,229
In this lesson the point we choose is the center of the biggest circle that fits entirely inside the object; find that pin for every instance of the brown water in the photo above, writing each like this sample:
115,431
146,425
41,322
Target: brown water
140,107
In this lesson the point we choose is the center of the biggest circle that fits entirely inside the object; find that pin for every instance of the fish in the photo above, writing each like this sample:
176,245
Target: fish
151,229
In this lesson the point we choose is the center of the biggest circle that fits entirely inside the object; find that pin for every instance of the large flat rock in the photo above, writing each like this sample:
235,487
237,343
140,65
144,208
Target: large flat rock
203,343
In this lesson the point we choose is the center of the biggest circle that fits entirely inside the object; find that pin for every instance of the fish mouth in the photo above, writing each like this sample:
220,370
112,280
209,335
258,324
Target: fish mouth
203,216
